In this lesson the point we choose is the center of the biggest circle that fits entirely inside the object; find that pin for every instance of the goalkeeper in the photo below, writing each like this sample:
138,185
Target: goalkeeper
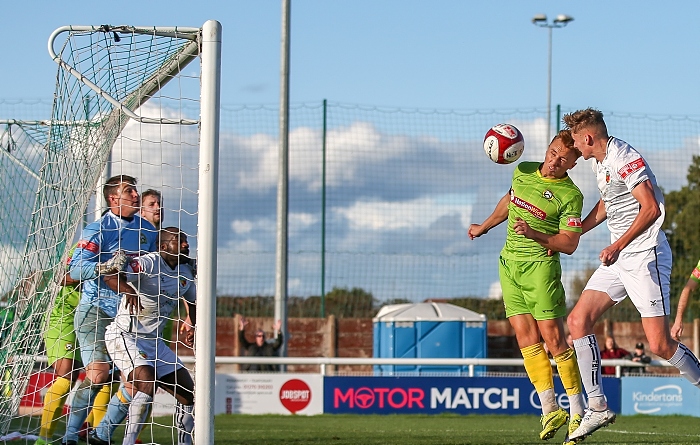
118,228
135,338
543,209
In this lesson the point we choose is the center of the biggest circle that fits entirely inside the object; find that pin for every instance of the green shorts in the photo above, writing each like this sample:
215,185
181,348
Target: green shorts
60,338
532,287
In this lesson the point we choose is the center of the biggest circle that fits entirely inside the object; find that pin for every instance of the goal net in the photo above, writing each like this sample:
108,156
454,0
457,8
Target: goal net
128,101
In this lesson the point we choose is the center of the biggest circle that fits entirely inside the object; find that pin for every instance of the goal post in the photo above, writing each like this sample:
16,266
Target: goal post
131,101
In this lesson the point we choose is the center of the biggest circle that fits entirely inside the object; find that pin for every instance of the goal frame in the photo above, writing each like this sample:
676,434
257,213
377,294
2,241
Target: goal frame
207,45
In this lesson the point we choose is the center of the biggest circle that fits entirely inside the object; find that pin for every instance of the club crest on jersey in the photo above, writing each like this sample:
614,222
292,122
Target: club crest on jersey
183,281
548,195
143,239
607,177
696,273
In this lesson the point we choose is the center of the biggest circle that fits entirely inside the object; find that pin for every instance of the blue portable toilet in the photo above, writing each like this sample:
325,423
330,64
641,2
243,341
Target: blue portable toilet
428,330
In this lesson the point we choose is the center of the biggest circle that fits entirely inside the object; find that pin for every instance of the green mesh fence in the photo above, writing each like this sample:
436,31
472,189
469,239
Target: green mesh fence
401,188
389,222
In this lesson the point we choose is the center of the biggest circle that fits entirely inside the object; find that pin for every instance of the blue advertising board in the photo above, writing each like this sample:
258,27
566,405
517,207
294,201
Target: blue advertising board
659,396
435,395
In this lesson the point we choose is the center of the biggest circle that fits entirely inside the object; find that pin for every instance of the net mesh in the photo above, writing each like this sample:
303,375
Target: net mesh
119,90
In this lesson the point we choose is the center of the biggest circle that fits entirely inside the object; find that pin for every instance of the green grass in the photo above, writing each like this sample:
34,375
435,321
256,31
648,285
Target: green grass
440,429
420,429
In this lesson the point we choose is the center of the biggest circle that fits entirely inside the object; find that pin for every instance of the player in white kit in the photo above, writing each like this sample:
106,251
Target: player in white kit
134,339
636,263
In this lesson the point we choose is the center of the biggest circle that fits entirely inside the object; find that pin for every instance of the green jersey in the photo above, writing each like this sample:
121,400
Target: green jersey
547,205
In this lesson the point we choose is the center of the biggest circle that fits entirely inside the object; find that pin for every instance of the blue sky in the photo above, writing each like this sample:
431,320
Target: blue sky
446,55
626,56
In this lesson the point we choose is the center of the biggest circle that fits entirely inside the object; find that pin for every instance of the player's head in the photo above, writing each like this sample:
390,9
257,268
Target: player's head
151,202
610,343
587,128
259,337
173,245
121,195
560,157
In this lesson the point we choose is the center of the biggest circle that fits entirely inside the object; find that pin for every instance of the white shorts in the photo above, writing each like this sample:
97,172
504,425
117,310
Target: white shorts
644,276
129,352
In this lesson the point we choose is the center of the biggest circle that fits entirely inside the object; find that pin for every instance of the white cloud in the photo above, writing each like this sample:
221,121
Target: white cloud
241,227
394,215
495,291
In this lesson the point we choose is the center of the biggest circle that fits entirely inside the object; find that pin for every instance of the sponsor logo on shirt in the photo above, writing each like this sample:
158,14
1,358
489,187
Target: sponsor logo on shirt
631,168
536,212
607,177
573,222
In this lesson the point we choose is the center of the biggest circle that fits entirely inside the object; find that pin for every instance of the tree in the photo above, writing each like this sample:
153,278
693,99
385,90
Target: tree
683,233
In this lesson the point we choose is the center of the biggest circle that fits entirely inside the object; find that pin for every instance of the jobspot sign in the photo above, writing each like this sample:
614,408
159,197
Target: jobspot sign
261,393
434,395
659,396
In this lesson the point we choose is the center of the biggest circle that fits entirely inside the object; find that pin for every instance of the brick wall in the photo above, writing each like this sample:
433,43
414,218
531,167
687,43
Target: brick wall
352,337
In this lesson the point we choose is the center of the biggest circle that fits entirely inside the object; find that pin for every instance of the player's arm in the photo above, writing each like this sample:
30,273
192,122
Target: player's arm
86,254
500,214
690,287
119,284
649,211
192,321
596,216
566,241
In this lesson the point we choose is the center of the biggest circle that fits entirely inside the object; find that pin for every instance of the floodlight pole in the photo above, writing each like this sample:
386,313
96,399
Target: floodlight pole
559,22
283,184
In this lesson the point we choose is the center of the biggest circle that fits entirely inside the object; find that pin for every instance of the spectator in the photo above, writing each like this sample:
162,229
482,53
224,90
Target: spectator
639,356
260,347
612,351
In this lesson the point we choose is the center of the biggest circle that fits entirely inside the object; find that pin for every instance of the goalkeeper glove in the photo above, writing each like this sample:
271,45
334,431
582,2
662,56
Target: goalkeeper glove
112,265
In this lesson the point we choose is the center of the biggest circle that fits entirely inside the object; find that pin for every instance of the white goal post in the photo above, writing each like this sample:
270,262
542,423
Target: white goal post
127,101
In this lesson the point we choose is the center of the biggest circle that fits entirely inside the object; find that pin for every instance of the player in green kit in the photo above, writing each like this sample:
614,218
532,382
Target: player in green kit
543,208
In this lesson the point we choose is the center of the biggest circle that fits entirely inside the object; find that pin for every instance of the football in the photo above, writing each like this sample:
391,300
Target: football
504,143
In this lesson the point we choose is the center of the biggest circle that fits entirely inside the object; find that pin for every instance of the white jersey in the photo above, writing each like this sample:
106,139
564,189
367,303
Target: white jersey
160,288
621,171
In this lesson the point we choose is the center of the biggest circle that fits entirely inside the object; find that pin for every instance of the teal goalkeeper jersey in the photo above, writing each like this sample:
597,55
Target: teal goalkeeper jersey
547,205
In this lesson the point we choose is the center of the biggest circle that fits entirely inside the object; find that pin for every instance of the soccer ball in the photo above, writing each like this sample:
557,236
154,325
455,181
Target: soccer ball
504,144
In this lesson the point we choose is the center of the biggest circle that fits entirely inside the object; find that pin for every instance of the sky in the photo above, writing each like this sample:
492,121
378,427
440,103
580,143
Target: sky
441,55
626,56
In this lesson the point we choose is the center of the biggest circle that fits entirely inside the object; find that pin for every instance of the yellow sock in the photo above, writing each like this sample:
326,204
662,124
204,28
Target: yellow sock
54,400
568,372
99,407
538,368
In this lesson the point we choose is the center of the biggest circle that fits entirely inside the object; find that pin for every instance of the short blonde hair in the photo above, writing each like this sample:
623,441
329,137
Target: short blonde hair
588,118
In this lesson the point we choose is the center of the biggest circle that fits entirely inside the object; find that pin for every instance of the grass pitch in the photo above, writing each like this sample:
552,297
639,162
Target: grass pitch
439,429
413,430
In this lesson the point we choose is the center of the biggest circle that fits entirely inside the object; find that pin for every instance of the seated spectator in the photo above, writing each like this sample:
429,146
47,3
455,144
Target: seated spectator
612,351
639,356
260,347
